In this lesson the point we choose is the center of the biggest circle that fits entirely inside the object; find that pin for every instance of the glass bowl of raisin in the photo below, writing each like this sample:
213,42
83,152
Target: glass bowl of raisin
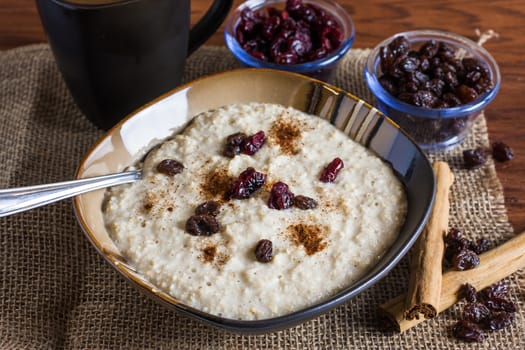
301,36
434,84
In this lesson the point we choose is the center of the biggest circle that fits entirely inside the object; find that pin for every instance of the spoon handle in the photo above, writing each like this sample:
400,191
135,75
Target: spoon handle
16,200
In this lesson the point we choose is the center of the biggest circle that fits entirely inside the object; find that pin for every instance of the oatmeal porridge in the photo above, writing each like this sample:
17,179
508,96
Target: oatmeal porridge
255,211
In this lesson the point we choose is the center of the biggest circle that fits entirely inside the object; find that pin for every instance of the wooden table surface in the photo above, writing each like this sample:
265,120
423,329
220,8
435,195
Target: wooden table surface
378,19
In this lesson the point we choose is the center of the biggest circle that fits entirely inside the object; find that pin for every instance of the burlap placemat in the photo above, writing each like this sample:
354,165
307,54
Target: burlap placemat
57,292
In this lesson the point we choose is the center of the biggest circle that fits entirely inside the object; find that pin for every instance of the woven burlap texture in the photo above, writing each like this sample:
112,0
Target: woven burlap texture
57,292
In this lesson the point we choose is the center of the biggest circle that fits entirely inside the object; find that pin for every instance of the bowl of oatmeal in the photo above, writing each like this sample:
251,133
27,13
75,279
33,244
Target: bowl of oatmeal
269,198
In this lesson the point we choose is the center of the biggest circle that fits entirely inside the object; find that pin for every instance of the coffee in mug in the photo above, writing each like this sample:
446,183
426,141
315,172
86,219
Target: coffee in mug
115,56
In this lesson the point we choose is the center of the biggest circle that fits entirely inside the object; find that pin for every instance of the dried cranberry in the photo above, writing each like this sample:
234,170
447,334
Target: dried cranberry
288,57
474,158
170,167
468,331
202,225
502,152
280,196
299,33
465,260
209,208
304,202
248,182
251,144
329,173
264,251
233,144
293,5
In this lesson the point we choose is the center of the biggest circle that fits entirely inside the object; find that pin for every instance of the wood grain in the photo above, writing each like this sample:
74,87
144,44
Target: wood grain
378,19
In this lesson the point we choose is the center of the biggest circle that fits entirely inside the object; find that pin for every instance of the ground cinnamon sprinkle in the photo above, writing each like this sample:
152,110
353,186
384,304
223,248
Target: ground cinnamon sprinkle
307,236
285,133
208,253
216,183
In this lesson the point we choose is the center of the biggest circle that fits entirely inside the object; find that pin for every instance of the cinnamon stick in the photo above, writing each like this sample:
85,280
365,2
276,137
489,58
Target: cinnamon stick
424,286
495,265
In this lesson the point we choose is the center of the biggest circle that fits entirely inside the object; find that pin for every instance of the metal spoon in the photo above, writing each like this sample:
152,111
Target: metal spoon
16,200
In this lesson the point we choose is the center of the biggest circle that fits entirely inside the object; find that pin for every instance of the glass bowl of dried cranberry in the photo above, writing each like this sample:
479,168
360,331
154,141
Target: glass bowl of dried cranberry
301,36
433,84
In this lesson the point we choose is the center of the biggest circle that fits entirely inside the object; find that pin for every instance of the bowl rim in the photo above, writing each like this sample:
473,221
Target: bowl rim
421,35
250,61
275,323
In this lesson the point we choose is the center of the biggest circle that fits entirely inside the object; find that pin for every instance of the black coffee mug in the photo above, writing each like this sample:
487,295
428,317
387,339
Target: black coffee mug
116,55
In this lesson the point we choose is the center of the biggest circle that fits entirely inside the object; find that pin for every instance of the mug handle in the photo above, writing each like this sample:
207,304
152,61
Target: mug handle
208,24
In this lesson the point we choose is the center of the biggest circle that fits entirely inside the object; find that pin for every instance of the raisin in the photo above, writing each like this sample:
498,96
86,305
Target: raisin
329,173
468,331
500,304
502,152
429,49
481,246
470,293
202,225
251,144
499,320
454,244
233,144
264,251
476,312
425,98
409,64
399,46
497,290
474,158
432,77
388,84
248,182
487,309
209,208
453,235
466,259
304,202
170,167
280,196
466,94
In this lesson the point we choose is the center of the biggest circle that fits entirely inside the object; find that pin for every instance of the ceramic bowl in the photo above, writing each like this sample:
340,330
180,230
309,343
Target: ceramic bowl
322,69
434,129
131,138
